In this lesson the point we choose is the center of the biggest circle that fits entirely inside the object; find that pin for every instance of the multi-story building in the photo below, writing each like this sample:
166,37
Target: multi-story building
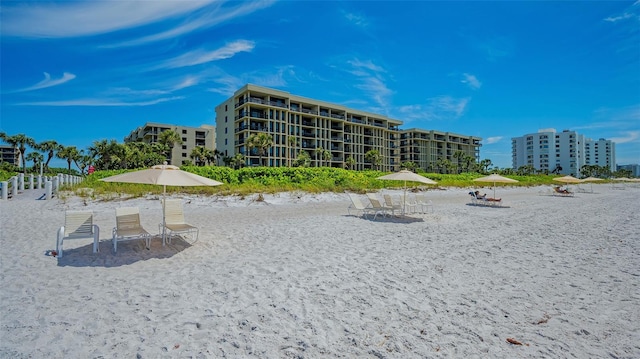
566,151
425,147
10,154
191,137
600,153
635,169
301,124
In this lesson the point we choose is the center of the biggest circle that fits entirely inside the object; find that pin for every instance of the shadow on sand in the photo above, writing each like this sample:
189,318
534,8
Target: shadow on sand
129,252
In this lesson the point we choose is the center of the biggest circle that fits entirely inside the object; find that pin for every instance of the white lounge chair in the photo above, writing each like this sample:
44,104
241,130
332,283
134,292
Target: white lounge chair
393,207
357,205
174,220
483,201
377,207
128,227
423,203
78,225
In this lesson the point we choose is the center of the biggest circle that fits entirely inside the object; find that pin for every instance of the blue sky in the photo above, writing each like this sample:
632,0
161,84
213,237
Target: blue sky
80,71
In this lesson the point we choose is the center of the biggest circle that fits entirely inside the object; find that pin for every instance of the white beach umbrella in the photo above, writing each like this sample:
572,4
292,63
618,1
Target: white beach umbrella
495,178
164,175
405,176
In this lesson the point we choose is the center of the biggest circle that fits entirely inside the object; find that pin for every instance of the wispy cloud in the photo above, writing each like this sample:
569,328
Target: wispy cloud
73,19
49,82
626,137
471,80
492,140
100,102
200,56
208,18
371,80
624,16
356,19
495,48
440,108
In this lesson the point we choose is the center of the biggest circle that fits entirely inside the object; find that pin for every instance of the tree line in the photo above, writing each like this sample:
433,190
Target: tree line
111,155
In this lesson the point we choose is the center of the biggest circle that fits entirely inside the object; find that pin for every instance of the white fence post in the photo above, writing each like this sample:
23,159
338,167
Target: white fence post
39,181
14,186
48,189
54,185
5,190
31,181
21,182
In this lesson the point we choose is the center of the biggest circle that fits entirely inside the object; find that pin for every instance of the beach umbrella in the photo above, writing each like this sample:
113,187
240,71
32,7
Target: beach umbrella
591,180
567,179
495,178
164,175
406,176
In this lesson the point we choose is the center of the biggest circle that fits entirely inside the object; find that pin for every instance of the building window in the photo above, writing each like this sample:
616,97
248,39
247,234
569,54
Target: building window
225,142
225,119
184,154
184,132
184,139
184,147
225,130
225,108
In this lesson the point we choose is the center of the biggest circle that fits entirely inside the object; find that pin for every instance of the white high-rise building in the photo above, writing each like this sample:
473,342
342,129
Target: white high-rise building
601,153
548,150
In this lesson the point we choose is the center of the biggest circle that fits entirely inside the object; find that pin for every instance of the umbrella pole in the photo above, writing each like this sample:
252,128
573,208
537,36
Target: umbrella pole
494,189
164,196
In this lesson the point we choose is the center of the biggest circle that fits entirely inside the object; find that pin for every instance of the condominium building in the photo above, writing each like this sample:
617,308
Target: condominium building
204,135
567,151
425,147
302,124
10,154
634,168
600,153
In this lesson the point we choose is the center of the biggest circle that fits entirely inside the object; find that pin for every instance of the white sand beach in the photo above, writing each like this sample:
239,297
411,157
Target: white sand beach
297,277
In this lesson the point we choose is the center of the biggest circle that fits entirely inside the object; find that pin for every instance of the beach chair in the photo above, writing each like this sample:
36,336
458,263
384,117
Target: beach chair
483,201
562,192
128,227
78,225
357,205
393,207
174,222
424,203
377,207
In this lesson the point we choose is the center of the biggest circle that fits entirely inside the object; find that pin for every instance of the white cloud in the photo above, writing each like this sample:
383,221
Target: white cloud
48,82
626,137
100,102
371,80
492,140
624,16
201,56
471,80
439,108
71,19
356,19
206,20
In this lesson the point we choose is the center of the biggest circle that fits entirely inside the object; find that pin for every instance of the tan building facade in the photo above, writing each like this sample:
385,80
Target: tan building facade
297,123
302,124
10,154
425,147
204,135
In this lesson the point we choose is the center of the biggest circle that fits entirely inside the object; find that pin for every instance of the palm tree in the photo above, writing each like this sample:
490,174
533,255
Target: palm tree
319,152
84,161
293,143
199,155
238,160
374,157
50,147
37,158
170,138
326,156
350,162
19,141
261,142
70,154
484,165
458,156
303,159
